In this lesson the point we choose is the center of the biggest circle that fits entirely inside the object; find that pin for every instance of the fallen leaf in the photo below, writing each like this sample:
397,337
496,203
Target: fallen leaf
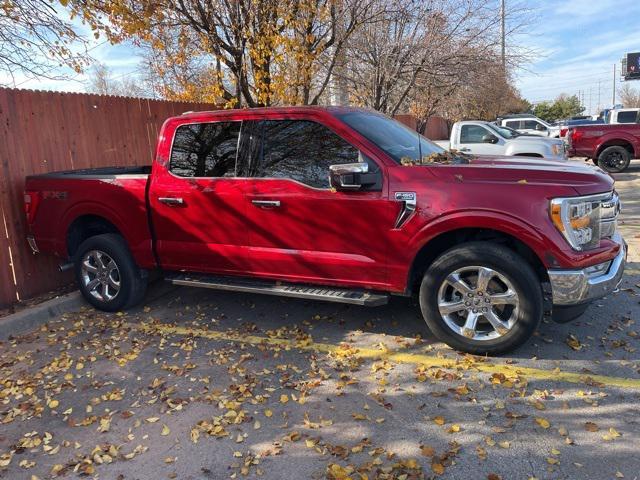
543,422
165,431
591,427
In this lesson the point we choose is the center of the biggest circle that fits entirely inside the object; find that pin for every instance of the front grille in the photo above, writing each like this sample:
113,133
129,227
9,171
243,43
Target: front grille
609,209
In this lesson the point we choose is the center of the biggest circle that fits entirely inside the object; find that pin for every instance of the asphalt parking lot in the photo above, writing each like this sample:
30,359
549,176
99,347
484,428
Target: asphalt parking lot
200,384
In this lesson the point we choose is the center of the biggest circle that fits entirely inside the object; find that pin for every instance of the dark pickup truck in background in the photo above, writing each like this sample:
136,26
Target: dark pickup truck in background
611,146
344,205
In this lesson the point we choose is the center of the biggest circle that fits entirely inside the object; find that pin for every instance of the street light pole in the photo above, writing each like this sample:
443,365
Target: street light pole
613,101
503,35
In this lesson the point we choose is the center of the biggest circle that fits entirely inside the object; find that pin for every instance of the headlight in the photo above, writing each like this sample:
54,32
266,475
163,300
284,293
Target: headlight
578,219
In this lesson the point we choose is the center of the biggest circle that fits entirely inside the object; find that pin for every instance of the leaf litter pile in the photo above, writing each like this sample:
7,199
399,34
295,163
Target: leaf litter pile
121,396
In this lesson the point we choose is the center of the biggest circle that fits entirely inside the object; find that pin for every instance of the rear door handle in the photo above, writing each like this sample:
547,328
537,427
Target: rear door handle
171,201
266,203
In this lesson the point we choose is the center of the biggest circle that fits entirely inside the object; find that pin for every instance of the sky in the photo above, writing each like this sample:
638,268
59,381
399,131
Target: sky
576,44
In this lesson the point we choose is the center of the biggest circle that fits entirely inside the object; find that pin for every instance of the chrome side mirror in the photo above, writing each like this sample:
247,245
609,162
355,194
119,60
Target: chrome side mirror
348,175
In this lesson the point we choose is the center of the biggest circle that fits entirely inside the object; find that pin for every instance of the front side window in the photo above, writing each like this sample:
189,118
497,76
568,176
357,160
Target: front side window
395,139
301,150
532,125
472,133
205,150
515,124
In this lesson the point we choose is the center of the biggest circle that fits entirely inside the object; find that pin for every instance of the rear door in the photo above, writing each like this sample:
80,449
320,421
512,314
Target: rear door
198,203
299,228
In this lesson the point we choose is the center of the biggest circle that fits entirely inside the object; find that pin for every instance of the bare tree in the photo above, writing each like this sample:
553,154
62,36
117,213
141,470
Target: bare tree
36,42
103,82
629,96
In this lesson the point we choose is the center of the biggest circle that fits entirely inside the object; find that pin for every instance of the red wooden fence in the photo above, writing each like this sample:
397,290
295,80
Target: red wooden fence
45,131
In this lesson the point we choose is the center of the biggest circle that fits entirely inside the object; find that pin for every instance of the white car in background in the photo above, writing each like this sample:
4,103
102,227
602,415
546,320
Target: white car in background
484,138
530,124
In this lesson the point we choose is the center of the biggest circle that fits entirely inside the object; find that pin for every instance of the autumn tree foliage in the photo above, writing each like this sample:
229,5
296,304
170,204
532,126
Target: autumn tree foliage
35,41
242,52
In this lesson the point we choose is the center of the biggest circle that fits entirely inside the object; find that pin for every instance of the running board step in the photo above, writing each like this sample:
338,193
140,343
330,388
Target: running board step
328,294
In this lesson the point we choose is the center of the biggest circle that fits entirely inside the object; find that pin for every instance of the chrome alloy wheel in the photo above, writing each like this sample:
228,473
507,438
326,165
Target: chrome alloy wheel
100,275
478,303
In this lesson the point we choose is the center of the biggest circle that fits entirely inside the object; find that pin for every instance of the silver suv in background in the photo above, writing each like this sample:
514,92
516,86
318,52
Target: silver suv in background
529,125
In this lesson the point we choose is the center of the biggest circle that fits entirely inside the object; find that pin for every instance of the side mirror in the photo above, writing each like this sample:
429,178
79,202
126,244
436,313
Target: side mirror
489,139
540,127
349,176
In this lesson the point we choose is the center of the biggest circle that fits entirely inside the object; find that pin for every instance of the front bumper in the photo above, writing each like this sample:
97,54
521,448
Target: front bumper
575,287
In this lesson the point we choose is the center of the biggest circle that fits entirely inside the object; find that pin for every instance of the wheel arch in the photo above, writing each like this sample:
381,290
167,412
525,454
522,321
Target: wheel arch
626,143
86,226
437,245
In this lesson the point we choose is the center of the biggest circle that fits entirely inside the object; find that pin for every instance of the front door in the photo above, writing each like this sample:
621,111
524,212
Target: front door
474,140
198,203
299,228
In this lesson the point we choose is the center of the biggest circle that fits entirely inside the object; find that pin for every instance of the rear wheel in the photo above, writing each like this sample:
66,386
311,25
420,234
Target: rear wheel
614,159
107,275
481,298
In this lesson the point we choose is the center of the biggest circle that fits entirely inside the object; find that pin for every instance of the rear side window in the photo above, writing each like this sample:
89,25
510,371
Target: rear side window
627,117
301,150
515,124
205,150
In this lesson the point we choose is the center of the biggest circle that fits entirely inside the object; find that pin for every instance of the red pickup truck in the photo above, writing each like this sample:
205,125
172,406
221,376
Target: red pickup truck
344,205
611,146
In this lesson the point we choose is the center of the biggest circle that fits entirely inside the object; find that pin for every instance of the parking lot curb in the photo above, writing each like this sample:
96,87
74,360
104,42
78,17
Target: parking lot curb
37,315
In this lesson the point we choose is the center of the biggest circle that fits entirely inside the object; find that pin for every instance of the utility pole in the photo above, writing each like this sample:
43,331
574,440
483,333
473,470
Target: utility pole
599,84
503,35
589,111
613,102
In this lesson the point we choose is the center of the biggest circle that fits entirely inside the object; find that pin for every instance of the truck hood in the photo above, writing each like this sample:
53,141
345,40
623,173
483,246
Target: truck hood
584,178
532,139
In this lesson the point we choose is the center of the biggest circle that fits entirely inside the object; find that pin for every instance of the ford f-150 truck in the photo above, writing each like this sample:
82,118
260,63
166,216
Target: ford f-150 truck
611,146
484,138
344,205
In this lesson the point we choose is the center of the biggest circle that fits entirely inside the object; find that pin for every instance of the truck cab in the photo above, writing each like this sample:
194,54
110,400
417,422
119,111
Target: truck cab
484,138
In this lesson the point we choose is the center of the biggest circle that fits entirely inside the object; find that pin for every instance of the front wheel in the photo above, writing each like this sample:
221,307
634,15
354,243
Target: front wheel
614,159
108,277
481,298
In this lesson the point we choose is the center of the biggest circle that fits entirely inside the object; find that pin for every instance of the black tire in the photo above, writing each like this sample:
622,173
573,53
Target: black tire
132,280
614,159
506,263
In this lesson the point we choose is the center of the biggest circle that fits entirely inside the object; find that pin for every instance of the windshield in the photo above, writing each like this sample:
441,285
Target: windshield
506,132
397,140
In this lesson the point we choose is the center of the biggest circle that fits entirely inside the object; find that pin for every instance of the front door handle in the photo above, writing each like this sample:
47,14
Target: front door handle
465,149
266,203
171,201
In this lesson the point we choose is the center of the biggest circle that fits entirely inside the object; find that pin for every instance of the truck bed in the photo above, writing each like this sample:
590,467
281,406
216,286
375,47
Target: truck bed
117,194
96,173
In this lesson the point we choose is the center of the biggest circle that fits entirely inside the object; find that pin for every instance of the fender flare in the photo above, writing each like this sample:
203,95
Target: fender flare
485,220
616,137
89,208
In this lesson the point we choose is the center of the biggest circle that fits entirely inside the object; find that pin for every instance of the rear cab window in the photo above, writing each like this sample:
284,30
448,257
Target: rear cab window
205,150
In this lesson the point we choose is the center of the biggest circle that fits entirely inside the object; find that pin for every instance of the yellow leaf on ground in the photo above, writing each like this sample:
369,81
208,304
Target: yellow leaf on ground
438,420
284,398
165,431
543,422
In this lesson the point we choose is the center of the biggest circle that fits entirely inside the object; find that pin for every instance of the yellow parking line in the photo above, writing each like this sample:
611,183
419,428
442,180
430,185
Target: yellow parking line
555,375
